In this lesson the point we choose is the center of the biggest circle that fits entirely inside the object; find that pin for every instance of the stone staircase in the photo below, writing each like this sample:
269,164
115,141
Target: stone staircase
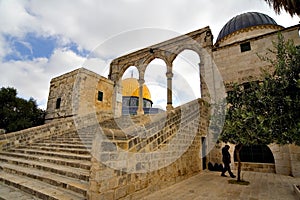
54,161
57,167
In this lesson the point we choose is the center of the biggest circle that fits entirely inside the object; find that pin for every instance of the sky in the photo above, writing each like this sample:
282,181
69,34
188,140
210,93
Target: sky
40,40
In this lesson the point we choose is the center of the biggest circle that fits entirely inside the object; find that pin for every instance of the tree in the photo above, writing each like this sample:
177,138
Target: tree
290,6
17,113
266,111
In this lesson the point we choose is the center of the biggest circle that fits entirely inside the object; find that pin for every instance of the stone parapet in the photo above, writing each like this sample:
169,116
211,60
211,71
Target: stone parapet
156,152
22,137
257,167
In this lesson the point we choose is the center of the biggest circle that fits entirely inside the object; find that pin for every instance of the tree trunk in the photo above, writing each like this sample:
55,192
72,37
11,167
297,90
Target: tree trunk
238,149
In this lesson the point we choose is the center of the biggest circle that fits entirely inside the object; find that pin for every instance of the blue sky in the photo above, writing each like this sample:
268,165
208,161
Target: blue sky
32,46
43,39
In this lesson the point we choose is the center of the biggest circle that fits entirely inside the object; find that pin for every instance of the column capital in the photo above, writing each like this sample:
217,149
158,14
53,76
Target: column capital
141,81
169,75
169,107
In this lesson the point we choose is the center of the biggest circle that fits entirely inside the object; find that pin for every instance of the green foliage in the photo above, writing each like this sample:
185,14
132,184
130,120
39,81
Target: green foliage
267,111
290,6
17,113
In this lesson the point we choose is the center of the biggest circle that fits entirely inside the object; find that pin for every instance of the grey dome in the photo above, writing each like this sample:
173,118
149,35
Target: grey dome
245,20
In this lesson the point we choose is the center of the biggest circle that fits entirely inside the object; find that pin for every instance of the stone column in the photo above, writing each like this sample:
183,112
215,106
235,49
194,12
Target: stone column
203,87
117,96
140,110
169,75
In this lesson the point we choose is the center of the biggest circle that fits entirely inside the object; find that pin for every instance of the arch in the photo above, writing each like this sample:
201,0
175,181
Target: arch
127,72
156,81
181,48
155,56
255,153
186,80
199,41
124,68
134,92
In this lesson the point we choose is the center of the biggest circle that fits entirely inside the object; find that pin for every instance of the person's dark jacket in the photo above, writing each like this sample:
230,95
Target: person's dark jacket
226,155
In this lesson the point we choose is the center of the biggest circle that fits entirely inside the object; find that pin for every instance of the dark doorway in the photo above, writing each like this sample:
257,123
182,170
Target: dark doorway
203,141
256,153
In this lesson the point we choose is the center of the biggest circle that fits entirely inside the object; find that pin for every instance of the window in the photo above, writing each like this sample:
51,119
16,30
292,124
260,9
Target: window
245,47
58,101
100,96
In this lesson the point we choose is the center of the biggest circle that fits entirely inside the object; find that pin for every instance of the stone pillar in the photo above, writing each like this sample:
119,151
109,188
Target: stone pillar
117,96
140,110
169,75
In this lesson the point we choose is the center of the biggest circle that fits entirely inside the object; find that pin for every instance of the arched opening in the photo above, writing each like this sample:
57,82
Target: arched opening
186,79
255,154
130,91
155,79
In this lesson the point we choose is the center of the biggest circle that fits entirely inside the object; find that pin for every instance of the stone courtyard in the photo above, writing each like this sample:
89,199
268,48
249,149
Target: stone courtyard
210,185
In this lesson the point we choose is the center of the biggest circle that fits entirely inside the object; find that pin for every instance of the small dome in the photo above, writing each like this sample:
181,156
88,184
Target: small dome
131,88
245,20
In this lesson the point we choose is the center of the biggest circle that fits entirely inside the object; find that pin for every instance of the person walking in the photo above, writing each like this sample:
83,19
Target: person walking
226,158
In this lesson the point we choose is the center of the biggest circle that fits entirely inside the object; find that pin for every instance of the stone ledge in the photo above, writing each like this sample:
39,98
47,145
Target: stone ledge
297,191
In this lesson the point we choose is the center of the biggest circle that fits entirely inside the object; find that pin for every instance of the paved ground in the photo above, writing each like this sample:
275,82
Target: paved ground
210,185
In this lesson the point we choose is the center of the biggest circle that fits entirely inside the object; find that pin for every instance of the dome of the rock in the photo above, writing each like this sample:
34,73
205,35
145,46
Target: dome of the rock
131,88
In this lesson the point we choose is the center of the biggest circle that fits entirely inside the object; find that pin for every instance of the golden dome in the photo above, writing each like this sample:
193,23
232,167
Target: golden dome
131,88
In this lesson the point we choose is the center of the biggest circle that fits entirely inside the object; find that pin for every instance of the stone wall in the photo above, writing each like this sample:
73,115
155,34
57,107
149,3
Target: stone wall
61,87
131,163
257,167
247,33
295,160
78,91
287,159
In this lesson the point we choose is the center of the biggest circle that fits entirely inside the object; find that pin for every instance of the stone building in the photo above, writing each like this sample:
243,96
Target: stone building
77,93
235,57
235,52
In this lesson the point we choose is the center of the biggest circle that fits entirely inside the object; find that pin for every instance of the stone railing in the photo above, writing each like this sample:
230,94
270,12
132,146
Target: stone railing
29,135
57,127
141,154
145,133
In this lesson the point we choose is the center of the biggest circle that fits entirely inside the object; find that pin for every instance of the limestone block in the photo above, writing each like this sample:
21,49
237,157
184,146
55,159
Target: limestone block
120,192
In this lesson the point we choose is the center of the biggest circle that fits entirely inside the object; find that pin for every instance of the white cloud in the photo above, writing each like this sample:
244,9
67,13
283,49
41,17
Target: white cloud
32,78
15,19
112,27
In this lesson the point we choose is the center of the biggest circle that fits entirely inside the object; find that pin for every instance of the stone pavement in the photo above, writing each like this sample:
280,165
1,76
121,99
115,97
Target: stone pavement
210,185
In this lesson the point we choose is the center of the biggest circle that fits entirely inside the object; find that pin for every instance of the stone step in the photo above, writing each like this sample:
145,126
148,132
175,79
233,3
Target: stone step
65,182
62,145
8,193
38,188
65,141
70,137
84,164
72,172
61,149
51,153
74,135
